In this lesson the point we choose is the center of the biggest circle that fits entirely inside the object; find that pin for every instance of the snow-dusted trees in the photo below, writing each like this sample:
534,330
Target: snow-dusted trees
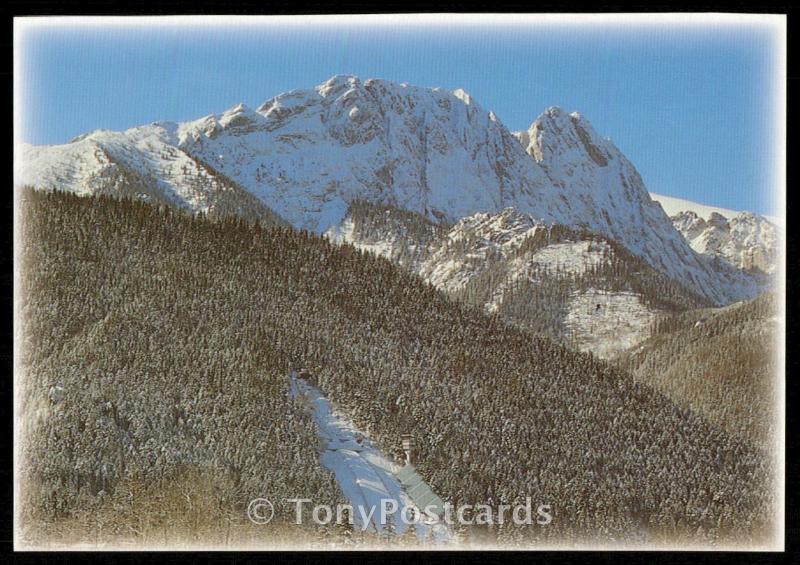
719,362
167,380
530,283
172,338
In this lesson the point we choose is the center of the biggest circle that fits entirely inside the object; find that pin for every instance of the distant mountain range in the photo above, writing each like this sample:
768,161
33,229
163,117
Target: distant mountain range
306,156
745,240
673,206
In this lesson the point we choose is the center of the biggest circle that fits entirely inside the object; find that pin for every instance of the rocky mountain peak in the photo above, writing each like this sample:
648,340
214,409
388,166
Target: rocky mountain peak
567,141
745,240
308,154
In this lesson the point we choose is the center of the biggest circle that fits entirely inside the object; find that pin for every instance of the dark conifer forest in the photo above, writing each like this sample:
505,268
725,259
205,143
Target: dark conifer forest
155,349
720,362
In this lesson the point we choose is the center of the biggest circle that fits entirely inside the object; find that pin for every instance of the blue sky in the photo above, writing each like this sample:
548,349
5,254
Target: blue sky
691,106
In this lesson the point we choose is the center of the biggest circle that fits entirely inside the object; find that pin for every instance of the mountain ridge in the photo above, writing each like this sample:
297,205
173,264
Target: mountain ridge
307,154
574,286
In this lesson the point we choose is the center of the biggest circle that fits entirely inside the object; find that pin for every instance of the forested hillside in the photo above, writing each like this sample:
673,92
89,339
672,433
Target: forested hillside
154,404
572,285
720,362
156,344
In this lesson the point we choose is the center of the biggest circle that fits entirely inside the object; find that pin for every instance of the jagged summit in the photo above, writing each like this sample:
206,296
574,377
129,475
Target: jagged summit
556,133
307,154
462,95
432,151
745,240
337,82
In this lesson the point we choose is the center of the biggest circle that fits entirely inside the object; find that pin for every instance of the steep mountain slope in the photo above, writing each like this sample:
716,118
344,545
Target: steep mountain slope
202,317
590,170
720,362
307,154
146,415
139,163
575,286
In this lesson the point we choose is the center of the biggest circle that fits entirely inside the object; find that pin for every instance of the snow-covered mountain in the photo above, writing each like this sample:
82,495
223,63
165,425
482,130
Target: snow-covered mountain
674,206
745,240
308,154
140,163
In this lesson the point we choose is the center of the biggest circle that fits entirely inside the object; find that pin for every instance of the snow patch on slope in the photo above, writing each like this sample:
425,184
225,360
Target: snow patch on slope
573,257
608,323
482,237
345,233
365,475
569,258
